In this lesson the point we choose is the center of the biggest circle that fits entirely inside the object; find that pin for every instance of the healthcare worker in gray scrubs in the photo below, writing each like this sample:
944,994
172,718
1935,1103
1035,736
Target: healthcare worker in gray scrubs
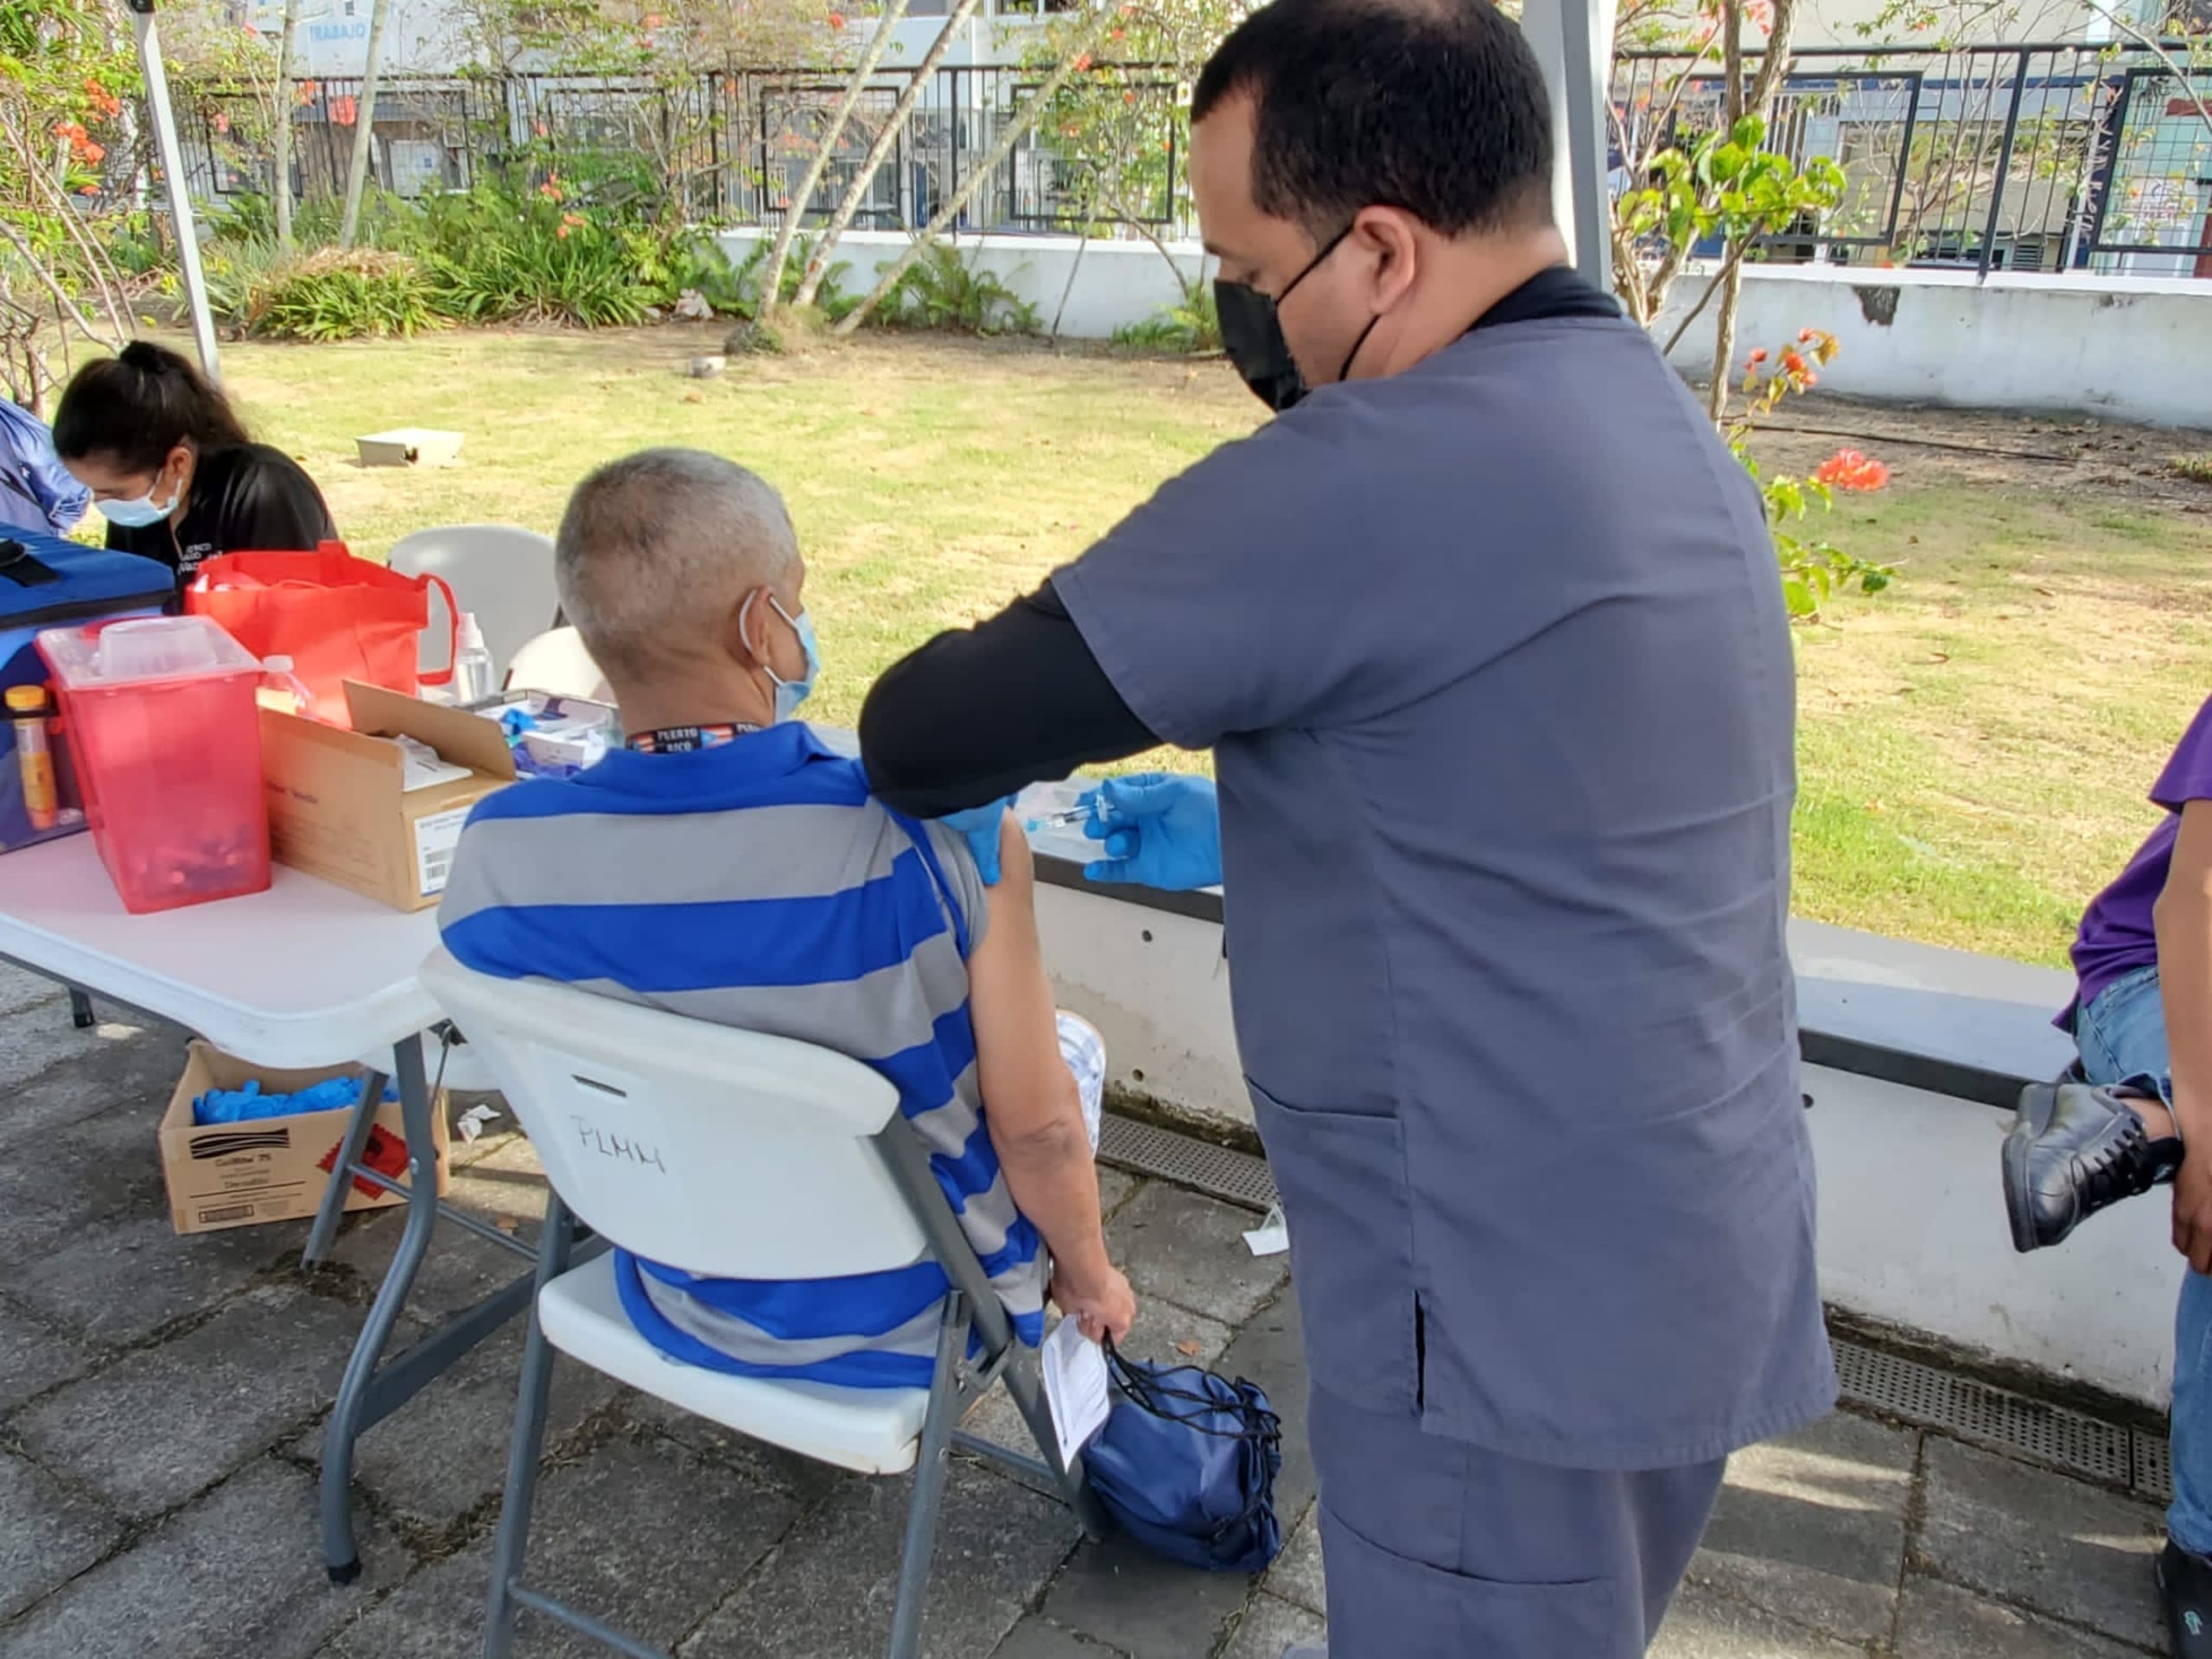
1485,632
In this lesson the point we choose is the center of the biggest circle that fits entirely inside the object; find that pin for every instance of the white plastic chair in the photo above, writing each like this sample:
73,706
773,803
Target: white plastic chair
500,574
737,1155
555,662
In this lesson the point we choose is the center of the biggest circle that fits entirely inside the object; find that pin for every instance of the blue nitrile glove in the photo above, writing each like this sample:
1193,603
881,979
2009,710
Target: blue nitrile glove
1160,829
979,827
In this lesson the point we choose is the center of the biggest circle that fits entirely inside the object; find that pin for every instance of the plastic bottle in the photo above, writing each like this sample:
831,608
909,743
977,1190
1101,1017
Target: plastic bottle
473,680
27,711
282,689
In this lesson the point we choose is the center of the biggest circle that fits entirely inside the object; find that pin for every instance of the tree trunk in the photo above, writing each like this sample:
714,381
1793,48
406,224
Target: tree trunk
282,133
1724,345
365,121
772,280
1014,133
901,113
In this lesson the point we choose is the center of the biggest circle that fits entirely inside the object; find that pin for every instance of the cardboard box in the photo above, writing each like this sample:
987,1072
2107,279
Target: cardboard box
337,807
270,1168
410,446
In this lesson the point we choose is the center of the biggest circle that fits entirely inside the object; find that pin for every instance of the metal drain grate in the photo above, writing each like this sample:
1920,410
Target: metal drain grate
2004,1421
1238,1177
2154,1469
1908,1390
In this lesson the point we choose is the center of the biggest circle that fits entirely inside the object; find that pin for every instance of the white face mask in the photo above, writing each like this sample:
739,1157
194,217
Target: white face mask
137,512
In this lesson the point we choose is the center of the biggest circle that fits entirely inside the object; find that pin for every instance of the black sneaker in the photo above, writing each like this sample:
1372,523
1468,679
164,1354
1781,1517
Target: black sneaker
2073,1150
2185,1591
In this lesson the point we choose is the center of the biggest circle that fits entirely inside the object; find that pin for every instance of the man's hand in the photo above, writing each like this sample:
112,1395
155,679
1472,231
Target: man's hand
2193,1208
979,827
1107,1308
1159,830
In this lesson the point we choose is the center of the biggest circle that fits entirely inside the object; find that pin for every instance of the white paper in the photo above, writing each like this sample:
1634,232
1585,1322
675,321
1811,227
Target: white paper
425,767
1272,1235
1075,1387
435,837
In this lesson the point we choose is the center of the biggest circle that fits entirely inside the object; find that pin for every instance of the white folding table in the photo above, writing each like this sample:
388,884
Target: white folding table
305,975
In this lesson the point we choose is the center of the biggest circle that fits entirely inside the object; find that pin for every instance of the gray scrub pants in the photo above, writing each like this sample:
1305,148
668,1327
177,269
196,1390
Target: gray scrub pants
1438,1550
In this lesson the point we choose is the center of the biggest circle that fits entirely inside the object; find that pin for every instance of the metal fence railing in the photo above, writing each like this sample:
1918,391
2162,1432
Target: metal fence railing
2020,157
2029,158
734,147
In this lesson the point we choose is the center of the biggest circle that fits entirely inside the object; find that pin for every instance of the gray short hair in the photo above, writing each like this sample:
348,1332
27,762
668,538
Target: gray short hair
659,544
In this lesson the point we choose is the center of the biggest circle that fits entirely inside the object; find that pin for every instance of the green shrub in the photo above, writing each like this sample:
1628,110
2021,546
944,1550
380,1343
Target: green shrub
1186,329
941,290
239,276
494,256
363,293
2197,469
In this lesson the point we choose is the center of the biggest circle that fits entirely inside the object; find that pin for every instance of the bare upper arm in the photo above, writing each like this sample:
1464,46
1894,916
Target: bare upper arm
1027,1087
2189,870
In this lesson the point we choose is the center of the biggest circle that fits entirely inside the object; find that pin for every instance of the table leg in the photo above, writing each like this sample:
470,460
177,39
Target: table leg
333,1208
80,1010
339,1555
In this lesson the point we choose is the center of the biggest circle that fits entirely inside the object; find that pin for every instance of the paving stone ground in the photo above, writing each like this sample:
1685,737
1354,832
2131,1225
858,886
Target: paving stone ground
161,1402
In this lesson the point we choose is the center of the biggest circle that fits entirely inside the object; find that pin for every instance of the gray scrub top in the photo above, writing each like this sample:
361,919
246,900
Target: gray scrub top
1493,659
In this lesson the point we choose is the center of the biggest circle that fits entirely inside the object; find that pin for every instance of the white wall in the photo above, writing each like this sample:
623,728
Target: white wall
2131,348
1115,282
2134,349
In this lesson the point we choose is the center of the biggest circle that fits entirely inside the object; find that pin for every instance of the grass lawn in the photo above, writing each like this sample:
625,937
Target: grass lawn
1975,744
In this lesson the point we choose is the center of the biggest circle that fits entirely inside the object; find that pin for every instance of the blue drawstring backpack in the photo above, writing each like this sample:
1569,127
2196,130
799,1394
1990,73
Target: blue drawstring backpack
1187,1463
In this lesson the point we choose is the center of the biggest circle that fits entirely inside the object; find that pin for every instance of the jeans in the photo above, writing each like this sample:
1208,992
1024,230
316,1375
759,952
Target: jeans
2122,1035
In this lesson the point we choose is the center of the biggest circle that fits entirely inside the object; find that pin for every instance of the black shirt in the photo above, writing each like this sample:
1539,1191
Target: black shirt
981,712
248,498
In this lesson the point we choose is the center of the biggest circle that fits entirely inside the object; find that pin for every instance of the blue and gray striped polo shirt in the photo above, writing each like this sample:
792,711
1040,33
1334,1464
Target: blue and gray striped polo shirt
757,884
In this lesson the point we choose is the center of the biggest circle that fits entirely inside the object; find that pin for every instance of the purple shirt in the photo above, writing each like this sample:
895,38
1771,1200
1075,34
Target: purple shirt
2117,934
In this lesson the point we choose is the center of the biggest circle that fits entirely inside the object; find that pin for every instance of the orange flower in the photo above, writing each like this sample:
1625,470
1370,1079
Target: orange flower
654,20
561,232
1806,336
551,189
1793,363
570,220
1847,469
836,20
1083,63
1758,357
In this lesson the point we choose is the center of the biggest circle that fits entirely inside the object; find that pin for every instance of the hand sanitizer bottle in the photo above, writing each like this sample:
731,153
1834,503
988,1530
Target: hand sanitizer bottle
473,681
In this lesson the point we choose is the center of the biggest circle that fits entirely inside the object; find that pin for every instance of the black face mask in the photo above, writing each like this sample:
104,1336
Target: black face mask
1251,335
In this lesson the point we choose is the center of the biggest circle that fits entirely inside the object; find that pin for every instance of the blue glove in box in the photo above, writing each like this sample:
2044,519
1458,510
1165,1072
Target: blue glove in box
46,582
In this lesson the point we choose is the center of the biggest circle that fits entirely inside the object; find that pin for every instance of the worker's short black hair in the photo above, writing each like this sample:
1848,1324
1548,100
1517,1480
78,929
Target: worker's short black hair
1434,106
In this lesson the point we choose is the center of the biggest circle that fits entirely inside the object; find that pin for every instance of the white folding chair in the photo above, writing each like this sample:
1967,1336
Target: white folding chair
500,574
557,662
736,1155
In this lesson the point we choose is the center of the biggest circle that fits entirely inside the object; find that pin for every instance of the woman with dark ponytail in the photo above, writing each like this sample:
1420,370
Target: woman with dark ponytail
172,469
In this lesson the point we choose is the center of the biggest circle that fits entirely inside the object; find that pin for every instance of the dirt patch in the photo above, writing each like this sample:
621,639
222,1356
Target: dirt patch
2125,465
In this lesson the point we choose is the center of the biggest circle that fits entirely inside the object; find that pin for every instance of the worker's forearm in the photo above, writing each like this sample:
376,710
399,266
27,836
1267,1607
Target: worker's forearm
1054,1181
2184,931
980,713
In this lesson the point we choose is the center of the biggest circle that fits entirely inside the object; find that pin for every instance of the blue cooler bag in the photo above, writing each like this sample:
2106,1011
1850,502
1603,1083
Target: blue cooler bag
46,582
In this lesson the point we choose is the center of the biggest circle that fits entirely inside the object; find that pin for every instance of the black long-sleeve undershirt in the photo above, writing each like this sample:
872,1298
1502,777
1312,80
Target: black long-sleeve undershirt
979,713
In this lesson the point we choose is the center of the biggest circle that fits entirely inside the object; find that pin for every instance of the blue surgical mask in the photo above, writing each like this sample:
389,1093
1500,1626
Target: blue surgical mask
138,513
791,693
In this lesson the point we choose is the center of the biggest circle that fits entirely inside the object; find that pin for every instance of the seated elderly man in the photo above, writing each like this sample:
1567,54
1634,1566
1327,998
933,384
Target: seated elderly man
726,865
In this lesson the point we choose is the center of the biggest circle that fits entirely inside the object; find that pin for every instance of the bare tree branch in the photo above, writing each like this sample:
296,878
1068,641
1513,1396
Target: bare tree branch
895,124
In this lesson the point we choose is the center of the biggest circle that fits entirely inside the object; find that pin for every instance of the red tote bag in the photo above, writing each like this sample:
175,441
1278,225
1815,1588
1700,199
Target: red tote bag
337,617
